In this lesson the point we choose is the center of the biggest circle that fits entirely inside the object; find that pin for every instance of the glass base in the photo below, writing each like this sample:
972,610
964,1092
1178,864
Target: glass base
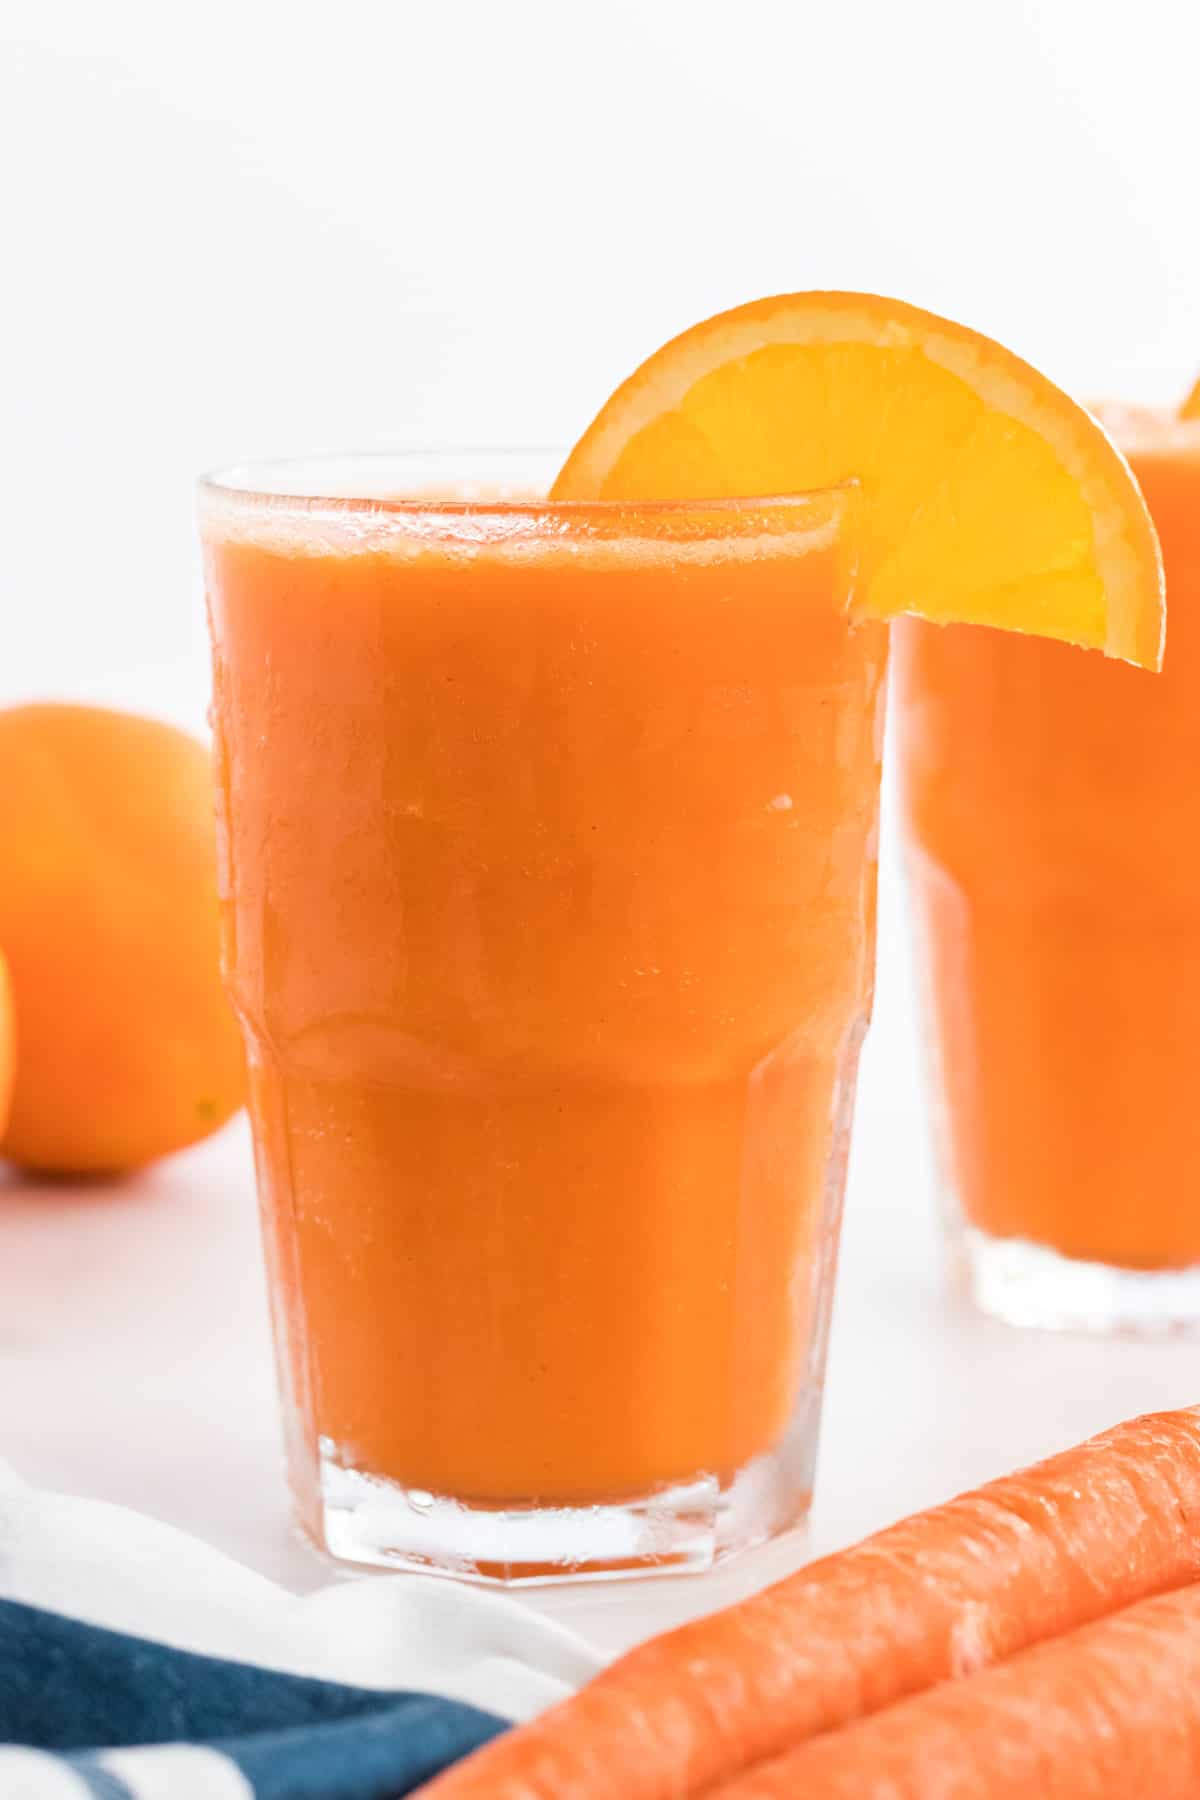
683,1530
1023,1283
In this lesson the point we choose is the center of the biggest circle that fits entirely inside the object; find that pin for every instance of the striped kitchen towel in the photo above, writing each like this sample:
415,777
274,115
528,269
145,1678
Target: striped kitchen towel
138,1662
89,1714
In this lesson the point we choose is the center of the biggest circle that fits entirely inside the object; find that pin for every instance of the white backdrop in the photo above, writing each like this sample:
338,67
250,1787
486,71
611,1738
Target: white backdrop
237,229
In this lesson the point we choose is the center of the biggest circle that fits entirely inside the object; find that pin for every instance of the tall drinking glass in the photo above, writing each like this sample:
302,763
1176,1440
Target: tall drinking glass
547,847
1052,812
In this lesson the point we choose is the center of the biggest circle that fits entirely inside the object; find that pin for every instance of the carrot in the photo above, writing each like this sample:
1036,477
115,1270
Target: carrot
1109,1712
938,1595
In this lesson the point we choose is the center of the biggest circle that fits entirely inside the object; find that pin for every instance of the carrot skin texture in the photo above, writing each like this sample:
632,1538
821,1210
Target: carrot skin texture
1108,1712
936,1596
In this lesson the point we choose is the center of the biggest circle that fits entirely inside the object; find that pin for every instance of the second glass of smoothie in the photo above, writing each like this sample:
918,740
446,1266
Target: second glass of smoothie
1051,804
548,839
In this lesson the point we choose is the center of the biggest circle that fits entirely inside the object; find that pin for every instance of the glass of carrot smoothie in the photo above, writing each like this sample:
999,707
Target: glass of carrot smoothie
1051,805
548,838
547,843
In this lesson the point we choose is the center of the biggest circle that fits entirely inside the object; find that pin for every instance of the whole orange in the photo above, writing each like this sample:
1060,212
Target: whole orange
126,1046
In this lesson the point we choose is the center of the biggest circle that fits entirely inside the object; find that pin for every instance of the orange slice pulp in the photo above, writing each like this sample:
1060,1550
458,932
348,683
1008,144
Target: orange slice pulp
988,496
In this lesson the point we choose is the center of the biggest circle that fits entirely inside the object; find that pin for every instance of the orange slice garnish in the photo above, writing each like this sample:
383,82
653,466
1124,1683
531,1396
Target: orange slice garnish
988,496
1191,406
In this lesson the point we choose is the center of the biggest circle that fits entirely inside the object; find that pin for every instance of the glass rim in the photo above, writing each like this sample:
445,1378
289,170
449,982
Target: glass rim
275,484
1135,426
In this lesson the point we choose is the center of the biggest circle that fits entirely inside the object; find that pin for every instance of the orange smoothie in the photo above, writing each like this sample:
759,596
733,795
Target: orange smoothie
548,856
1051,811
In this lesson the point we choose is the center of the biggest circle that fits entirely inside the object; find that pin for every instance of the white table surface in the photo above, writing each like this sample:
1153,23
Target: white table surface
135,1362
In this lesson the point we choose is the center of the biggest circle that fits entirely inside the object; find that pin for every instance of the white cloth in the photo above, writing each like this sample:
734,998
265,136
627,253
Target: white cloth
113,1567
